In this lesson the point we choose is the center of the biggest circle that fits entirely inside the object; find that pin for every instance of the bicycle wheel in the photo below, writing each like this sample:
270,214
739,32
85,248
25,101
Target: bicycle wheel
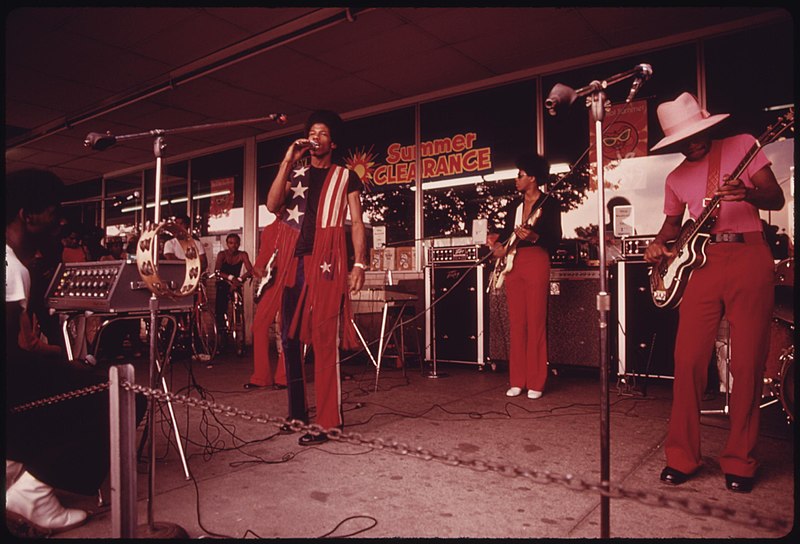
236,325
204,335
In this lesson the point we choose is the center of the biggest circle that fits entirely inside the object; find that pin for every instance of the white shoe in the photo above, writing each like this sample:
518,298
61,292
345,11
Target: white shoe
36,503
513,392
534,394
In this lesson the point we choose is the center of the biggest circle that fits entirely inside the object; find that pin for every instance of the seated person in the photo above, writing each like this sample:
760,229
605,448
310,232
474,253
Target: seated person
74,251
61,445
229,266
174,251
115,247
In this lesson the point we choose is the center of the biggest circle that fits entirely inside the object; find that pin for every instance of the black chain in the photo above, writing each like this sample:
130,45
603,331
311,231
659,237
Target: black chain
61,397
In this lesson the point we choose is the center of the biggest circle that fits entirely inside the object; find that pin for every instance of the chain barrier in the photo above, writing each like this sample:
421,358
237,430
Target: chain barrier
61,397
570,481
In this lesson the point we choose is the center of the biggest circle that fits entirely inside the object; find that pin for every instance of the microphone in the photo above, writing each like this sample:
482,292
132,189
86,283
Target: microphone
645,71
278,118
99,142
560,95
305,142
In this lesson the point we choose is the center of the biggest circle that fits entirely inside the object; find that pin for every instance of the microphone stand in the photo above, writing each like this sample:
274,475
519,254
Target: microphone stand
596,102
101,142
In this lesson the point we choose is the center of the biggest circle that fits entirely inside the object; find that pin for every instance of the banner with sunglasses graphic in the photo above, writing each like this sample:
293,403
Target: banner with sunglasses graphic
624,135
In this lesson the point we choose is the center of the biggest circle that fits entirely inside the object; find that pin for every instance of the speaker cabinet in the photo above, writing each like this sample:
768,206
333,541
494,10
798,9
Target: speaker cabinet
645,333
573,336
456,328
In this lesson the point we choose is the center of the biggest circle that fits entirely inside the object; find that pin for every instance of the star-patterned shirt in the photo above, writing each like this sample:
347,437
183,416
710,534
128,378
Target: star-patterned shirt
303,202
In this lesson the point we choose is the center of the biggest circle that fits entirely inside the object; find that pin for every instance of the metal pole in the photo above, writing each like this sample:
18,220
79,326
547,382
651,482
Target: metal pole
122,418
597,104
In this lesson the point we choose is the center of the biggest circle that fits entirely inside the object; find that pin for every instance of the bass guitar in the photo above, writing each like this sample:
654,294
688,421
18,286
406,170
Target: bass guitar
669,277
268,277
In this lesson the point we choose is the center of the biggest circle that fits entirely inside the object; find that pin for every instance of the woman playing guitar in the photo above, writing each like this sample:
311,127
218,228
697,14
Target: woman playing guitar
533,231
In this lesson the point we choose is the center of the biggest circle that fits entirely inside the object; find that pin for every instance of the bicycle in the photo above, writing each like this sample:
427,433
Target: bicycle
203,325
233,318
195,329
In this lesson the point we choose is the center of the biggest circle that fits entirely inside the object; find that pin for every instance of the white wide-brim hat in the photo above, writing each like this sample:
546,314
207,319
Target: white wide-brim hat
683,117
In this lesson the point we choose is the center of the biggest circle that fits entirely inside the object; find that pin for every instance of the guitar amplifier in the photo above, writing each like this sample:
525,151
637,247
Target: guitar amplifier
458,254
633,247
112,287
456,324
645,333
570,253
572,318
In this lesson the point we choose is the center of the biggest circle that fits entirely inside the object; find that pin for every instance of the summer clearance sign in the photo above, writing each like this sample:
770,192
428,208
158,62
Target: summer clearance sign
452,156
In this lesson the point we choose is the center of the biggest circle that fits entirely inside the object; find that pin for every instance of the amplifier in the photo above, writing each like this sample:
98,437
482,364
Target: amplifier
572,318
645,333
570,253
112,287
633,247
458,254
456,325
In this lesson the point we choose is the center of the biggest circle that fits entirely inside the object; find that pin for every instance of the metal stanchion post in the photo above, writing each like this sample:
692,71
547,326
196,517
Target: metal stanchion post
122,418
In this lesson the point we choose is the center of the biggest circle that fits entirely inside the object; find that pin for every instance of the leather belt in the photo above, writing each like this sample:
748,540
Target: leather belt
737,237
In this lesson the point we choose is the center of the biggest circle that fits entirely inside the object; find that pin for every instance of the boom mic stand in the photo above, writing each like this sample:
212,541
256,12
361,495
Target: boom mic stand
101,142
596,102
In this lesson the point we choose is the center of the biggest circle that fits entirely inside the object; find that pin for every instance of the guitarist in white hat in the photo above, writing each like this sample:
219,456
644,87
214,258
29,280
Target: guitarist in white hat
735,280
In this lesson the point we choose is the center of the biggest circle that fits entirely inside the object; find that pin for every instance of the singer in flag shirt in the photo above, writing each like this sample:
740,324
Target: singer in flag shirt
312,276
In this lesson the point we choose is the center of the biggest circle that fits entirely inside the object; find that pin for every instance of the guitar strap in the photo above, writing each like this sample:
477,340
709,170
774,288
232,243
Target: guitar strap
714,166
518,215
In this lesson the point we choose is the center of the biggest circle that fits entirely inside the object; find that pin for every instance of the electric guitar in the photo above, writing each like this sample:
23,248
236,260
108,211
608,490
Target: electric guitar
268,277
669,277
504,264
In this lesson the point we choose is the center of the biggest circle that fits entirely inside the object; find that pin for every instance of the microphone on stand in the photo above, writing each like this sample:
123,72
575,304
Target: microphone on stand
645,71
560,95
278,118
99,142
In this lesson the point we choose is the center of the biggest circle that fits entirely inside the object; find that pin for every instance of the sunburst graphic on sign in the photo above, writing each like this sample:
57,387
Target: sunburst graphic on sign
362,162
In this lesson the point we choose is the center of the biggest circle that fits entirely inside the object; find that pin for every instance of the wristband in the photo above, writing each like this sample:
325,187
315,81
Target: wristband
362,266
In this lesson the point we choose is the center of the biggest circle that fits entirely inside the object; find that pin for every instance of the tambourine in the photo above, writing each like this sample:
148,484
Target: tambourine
147,260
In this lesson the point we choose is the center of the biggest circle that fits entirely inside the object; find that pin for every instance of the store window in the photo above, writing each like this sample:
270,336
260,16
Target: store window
469,145
173,191
217,195
628,133
123,205
757,89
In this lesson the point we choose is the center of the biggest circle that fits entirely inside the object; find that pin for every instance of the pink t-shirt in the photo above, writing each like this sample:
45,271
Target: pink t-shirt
686,186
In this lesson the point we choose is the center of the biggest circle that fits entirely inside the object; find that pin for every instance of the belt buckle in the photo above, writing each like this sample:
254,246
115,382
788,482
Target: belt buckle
728,237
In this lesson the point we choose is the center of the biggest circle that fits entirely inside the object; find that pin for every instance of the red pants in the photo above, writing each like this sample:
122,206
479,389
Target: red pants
737,282
266,371
325,319
527,288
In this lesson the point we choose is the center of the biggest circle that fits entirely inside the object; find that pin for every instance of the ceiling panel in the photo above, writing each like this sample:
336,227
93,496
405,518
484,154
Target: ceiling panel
92,66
